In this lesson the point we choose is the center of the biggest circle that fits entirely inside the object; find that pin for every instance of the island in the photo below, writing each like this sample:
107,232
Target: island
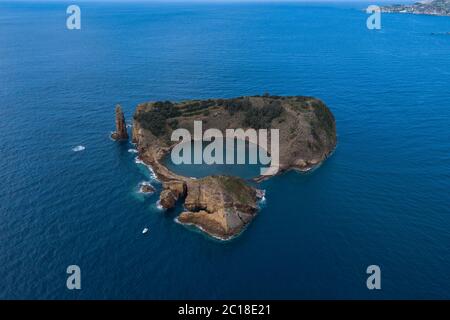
435,7
222,206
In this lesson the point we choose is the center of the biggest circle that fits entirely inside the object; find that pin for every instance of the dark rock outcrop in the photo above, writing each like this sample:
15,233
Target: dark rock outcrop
121,127
147,188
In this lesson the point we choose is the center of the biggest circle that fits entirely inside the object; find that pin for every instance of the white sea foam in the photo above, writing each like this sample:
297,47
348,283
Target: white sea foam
159,206
138,161
152,173
132,151
78,148
262,199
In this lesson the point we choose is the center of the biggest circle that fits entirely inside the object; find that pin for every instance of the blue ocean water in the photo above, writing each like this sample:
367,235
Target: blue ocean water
251,168
382,198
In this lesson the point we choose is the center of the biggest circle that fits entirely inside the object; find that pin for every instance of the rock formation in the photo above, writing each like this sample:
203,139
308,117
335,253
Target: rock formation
147,188
121,127
219,205
173,190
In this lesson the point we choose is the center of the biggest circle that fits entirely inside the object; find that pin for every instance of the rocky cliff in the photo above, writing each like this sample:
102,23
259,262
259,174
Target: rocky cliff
222,206
121,127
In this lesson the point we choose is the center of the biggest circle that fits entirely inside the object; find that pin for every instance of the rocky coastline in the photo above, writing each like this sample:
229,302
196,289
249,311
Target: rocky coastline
223,206
435,8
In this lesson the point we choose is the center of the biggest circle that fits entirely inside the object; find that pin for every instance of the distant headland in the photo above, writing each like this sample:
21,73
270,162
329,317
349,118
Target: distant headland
222,206
435,7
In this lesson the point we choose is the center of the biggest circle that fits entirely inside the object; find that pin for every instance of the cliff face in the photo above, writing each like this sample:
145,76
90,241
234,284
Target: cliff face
121,127
220,205
223,206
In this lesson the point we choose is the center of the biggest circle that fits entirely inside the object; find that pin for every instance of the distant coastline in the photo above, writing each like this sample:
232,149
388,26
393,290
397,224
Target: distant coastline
434,8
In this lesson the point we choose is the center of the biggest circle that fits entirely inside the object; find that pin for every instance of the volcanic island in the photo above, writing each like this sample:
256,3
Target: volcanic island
222,206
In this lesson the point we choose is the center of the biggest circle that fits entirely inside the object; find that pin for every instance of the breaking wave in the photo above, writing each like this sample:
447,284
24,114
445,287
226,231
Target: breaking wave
78,148
150,169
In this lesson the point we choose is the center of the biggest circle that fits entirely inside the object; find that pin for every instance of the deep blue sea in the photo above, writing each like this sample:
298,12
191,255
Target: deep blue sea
382,198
